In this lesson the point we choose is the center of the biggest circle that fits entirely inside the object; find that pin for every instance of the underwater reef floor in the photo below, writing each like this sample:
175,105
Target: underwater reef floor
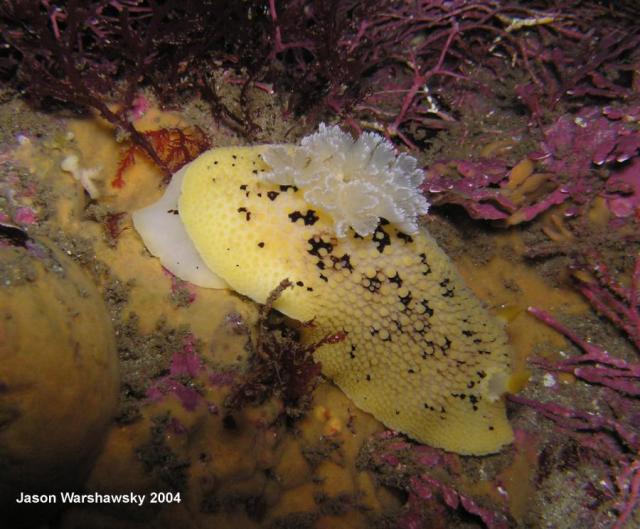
184,350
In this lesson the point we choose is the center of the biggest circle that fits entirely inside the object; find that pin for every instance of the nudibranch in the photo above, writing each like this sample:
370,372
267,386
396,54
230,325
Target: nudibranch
338,217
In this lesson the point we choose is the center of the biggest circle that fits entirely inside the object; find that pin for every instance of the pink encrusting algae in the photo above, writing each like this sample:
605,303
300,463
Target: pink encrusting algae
187,363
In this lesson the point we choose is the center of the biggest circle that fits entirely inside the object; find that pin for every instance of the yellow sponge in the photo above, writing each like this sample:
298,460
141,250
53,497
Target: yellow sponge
421,354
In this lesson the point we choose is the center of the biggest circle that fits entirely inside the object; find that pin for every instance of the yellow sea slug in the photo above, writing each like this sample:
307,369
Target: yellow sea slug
338,218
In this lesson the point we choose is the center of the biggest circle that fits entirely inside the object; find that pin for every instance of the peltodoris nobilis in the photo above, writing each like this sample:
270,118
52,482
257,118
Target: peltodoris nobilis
338,218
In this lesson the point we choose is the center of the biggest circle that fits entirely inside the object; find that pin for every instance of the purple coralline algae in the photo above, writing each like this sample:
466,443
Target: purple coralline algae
581,156
615,435
432,479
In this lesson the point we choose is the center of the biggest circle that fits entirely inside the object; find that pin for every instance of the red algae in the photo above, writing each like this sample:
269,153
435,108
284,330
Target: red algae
174,147
280,366
382,65
431,478
613,435
581,157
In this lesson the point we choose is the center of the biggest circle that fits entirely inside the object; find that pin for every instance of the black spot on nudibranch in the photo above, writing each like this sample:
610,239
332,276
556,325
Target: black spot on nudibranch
404,237
246,212
423,260
372,284
342,262
309,218
427,309
318,244
272,195
380,237
396,279
448,292
284,189
427,354
406,299
173,211
261,244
